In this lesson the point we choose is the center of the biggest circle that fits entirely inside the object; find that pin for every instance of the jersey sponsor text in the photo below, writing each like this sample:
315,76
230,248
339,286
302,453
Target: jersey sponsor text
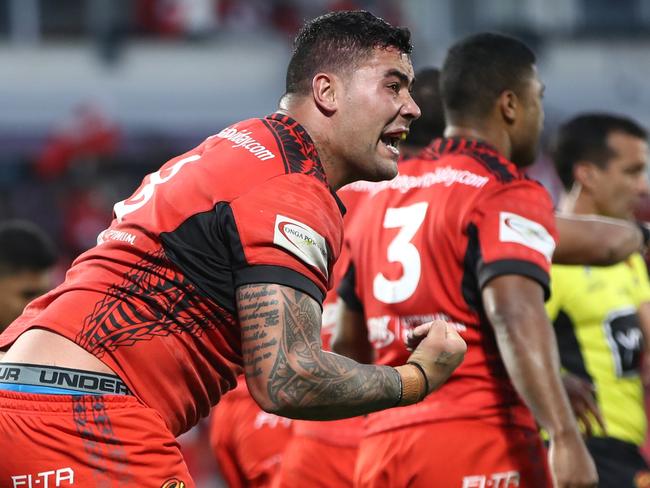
515,228
446,176
45,479
301,240
243,139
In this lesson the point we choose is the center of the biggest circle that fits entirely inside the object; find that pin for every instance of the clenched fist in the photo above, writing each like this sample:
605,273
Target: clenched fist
439,352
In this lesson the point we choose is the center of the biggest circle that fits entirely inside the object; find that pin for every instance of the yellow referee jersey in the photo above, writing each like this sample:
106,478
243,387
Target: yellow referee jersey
594,313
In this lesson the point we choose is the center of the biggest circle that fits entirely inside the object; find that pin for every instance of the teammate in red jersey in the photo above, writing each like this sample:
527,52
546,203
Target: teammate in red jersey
461,234
218,261
247,442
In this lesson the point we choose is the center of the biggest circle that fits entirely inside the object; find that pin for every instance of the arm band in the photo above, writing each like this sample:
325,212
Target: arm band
413,384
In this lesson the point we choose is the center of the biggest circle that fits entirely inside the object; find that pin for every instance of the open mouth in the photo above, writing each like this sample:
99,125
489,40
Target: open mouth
392,140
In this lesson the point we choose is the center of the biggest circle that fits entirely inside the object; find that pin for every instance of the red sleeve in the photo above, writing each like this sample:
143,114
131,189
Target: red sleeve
513,232
290,230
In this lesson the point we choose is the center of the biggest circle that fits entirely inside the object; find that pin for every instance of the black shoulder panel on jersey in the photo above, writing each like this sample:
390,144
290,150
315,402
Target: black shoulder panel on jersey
346,290
571,356
514,267
296,147
469,284
206,248
490,161
280,276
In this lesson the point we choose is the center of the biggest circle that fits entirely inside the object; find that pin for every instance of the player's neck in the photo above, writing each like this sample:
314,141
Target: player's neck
580,204
302,113
493,136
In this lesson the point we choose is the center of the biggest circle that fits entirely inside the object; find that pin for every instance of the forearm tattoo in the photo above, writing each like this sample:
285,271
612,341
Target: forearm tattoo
281,338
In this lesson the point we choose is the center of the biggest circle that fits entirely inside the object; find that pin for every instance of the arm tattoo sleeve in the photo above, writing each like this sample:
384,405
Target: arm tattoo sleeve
282,348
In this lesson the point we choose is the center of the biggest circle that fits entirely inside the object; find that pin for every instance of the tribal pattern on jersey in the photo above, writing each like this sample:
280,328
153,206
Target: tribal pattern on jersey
153,300
296,147
479,151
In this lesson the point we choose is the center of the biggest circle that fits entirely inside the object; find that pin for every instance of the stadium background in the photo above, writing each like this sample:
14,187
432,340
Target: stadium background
94,94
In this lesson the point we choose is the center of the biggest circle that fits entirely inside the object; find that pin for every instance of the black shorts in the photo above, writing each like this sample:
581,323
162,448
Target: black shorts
619,464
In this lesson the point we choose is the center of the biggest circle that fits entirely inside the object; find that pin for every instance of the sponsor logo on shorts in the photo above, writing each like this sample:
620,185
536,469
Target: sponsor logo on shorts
515,228
173,483
45,479
243,139
507,479
302,241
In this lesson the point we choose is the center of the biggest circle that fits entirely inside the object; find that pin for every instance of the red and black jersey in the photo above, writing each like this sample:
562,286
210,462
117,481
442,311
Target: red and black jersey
453,219
155,299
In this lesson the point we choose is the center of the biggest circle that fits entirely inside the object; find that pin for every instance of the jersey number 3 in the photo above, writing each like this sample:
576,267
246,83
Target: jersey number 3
408,220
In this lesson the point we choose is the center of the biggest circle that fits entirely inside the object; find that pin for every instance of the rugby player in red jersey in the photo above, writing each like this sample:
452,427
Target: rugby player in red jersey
461,234
335,444
274,451
218,263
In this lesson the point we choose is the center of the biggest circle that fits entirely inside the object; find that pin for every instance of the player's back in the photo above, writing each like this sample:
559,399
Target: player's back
159,287
431,238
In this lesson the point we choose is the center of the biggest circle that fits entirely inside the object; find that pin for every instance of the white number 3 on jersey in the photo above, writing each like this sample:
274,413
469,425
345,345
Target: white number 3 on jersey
401,250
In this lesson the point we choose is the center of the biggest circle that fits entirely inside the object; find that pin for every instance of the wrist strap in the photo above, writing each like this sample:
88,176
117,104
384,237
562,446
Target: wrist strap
424,375
413,384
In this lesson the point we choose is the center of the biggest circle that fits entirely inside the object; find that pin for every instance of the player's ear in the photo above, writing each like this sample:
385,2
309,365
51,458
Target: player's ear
323,87
508,104
584,173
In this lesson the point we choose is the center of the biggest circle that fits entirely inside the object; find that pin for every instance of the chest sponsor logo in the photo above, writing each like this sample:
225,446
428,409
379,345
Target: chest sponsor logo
515,228
302,241
45,479
624,336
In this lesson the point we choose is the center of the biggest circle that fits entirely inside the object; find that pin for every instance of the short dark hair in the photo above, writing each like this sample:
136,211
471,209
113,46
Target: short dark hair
584,138
340,40
478,69
24,247
426,93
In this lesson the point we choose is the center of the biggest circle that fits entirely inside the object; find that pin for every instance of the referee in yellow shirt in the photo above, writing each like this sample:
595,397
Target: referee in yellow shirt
601,315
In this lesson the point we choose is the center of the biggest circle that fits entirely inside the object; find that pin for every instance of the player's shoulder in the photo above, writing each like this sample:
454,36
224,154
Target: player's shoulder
475,157
276,140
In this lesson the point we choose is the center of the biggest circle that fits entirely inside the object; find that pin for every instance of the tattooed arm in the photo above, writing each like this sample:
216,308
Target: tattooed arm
286,369
289,374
